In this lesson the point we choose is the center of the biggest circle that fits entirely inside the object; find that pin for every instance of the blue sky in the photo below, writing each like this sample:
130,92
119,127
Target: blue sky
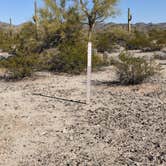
143,10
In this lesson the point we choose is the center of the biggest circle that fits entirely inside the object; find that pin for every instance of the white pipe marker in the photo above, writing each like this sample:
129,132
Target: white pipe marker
89,69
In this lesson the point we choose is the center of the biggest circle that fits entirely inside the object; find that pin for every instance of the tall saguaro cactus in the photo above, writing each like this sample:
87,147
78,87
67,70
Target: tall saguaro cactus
129,20
10,27
35,18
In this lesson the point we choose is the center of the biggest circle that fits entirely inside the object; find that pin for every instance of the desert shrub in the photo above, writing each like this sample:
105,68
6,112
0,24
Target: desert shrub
28,46
71,58
25,50
24,39
6,41
98,62
139,40
103,42
159,36
108,39
27,39
45,59
134,70
20,66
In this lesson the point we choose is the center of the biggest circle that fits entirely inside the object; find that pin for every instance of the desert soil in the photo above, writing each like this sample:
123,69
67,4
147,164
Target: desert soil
123,125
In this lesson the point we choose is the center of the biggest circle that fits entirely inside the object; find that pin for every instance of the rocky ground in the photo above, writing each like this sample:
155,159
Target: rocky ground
45,122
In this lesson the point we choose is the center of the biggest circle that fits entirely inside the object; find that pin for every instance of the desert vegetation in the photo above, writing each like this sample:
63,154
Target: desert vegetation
59,28
153,40
45,119
134,70
62,29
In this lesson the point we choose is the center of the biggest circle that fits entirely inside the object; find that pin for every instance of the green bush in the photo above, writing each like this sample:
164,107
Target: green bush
142,41
138,41
98,62
133,70
19,66
6,41
108,39
70,59
159,36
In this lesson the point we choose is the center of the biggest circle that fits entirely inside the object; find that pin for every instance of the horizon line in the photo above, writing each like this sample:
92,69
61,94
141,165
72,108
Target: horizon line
107,22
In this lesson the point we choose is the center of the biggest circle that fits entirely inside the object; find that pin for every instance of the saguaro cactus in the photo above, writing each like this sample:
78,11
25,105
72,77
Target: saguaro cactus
129,20
35,18
10,27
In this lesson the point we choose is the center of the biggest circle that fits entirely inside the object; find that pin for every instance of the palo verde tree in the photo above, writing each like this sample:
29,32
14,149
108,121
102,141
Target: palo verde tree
53,18
95,11
62,30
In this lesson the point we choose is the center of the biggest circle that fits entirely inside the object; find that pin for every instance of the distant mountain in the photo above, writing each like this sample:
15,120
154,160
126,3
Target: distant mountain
141,26
138,26
149,26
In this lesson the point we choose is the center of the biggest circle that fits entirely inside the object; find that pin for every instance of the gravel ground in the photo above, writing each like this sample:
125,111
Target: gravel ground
123,126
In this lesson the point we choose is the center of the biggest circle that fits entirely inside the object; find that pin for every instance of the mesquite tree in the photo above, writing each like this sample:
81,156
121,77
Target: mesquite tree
95,11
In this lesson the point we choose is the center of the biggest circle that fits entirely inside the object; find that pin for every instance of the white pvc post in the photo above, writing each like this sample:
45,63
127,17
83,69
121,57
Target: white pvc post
89,69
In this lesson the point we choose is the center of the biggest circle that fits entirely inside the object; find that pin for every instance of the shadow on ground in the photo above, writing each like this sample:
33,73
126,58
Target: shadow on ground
105,83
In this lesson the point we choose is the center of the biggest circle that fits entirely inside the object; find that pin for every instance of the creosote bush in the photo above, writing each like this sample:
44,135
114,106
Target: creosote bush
158,36
72,58
142,41
19,66
133,70
107,40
